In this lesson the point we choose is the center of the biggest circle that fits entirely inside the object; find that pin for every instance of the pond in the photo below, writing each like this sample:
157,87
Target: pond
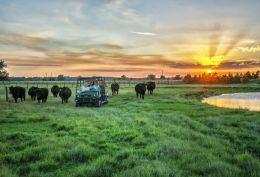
250,101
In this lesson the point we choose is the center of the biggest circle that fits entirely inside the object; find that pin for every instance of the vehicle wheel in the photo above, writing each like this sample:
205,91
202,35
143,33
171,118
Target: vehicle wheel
98,104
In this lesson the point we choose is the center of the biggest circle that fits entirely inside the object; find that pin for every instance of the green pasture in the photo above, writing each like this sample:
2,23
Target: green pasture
168,134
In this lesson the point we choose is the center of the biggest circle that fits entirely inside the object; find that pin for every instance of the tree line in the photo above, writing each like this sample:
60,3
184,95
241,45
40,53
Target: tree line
205,78
214,78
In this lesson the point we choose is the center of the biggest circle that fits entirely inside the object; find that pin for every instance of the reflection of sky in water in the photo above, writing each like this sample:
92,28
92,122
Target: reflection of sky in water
249,101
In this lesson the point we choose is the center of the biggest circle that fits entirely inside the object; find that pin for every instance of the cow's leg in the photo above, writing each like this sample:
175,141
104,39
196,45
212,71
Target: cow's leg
136,94
117,92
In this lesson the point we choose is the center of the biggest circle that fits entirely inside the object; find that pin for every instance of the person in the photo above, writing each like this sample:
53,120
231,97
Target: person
95,85
85,88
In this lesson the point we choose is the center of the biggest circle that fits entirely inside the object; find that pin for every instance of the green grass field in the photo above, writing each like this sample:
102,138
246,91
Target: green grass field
168,134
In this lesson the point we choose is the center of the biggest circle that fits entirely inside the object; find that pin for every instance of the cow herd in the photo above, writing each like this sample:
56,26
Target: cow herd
41,94
140,88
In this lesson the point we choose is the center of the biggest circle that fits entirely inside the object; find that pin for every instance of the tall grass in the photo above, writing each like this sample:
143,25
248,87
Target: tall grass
168,134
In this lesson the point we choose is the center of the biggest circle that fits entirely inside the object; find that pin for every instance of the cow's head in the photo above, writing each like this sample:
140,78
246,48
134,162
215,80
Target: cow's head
11,89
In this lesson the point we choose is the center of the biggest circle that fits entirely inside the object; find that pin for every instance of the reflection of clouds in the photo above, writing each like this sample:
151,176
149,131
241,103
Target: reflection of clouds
249,101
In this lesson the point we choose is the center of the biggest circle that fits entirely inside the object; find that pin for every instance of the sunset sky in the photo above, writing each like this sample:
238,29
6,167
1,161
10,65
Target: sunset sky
131,37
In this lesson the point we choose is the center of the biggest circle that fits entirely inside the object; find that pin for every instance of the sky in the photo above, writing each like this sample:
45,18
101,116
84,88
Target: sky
130,37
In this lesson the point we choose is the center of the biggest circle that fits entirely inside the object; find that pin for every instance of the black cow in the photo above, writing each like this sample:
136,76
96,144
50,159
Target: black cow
114,88
65,94
17,92
140,90
55,90
32,92
42,94
150,87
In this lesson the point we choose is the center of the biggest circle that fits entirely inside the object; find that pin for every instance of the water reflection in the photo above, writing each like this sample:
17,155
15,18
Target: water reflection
249,101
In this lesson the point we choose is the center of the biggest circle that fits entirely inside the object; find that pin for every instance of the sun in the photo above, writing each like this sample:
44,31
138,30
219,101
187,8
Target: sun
209,71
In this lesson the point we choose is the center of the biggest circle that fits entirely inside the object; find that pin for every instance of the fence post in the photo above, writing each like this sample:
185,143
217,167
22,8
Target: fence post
6,94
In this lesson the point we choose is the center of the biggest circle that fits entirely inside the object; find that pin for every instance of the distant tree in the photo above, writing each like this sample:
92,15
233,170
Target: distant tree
237,78
214,78
177,77
256,75
187,79
151,77
3,73
248,75
123,77
230,78
60,77
195,78
162,77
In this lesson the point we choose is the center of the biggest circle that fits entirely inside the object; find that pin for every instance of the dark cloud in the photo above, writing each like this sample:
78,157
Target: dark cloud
102,46
112,60
37,65
239,64
91,59
32,43
110,70
45,44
